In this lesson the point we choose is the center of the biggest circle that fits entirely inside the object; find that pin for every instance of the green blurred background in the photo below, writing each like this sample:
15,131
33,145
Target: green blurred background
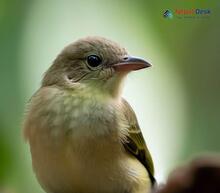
177,101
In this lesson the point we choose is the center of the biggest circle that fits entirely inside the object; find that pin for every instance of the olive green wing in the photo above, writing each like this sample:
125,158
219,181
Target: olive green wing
135,143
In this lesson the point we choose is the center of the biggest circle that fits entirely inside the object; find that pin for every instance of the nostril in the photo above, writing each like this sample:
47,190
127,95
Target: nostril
125,58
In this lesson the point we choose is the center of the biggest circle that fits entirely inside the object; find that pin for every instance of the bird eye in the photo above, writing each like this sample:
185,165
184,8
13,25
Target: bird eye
93,60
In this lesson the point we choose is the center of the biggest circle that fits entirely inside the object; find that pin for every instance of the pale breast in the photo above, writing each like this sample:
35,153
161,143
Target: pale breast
76,145
91,166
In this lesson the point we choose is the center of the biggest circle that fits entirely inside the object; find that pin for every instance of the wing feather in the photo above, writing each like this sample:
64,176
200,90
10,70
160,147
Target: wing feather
135,143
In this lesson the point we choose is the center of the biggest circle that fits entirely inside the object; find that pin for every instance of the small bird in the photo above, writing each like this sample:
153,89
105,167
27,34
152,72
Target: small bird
84,137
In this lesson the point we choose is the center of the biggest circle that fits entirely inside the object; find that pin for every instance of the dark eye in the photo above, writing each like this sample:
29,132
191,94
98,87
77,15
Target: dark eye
94,60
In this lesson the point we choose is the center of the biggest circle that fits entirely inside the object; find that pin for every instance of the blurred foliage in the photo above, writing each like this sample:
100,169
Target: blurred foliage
193,44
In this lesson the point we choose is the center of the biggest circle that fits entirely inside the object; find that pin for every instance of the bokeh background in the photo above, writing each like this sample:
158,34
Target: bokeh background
177,101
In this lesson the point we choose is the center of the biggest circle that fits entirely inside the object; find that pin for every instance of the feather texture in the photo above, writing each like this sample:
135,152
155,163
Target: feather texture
135,143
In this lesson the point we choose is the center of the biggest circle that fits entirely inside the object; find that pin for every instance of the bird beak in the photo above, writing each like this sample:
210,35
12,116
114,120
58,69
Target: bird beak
131,63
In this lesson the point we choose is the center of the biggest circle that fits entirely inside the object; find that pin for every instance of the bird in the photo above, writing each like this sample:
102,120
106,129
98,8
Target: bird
84,137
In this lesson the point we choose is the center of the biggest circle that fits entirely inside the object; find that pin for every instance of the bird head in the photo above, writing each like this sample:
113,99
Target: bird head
93,62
